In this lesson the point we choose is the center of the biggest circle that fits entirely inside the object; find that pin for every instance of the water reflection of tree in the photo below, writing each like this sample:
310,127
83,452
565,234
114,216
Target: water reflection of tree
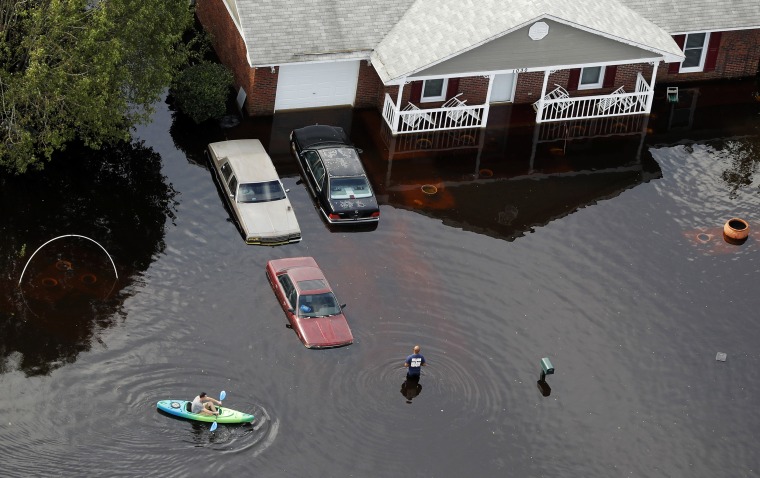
744,156
192,138
116,196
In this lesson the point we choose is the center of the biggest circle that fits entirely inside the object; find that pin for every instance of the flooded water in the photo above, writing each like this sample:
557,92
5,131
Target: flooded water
597,246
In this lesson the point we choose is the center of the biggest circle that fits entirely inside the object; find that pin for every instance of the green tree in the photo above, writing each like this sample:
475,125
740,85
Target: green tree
201,91
82,69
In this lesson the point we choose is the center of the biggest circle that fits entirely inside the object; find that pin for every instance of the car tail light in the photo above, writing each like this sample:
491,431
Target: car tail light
376,214
334,216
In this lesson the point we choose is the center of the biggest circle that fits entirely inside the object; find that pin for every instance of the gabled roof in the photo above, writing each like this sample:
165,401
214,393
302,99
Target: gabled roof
287,31
405,36
678,16
432,31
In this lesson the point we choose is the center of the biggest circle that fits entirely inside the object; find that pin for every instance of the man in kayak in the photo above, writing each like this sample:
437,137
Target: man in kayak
414,364
204,405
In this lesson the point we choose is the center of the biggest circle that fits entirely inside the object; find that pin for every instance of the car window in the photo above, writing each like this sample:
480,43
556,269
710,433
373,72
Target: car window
349,188
288,289
317,168
226,171
233,184
318,305
260,192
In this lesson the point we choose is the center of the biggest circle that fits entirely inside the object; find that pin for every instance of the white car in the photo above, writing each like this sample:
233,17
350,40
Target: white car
254,192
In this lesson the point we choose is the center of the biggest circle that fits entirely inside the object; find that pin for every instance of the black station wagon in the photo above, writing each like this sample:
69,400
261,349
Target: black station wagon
334,174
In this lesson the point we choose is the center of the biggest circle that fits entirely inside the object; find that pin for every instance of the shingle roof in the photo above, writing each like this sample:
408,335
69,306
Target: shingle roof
421,39
407,35
678,16
287,31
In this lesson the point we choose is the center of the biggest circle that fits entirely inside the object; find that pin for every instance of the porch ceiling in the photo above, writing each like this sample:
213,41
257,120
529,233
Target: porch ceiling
435,31
563,46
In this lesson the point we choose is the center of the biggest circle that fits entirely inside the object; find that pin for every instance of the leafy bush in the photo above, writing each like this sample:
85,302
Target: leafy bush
200,91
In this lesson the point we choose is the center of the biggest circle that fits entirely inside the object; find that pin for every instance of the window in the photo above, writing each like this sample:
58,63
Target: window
226,171
233,184
317,168
434,90
288,289
695,50
591,77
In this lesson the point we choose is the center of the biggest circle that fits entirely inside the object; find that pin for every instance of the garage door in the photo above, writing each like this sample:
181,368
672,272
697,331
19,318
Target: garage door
312,85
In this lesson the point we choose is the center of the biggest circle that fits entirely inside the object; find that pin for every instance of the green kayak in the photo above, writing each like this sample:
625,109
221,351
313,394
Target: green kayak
181,408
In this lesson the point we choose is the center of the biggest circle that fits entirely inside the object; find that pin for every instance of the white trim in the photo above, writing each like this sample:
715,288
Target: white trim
701,66
592,86
713,30
434,99
523,70
338,60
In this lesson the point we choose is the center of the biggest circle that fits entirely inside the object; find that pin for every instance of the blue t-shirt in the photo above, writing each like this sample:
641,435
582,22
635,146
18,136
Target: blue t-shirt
415,362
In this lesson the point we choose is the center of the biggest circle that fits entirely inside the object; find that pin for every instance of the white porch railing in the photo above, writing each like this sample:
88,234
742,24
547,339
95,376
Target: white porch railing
436,141
433,119
599,106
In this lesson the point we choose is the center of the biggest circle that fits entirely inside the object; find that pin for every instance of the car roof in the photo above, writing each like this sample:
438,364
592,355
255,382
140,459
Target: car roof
319,136
248,158
342,162
301,274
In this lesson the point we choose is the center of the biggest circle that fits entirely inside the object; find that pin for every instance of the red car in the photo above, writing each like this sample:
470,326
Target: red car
309,302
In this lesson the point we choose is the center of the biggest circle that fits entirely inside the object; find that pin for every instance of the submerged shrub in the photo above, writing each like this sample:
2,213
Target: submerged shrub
200,91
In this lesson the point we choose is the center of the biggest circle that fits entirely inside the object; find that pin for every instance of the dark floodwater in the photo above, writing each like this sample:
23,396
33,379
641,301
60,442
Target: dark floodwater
600,251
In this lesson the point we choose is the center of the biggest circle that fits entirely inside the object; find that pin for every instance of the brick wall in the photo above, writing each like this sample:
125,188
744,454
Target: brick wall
228,44
262,95
368,87
528,87
738,57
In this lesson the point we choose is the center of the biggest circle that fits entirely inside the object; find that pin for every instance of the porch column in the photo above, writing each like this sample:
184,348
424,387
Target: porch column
650,97
487,106
398,106
540,112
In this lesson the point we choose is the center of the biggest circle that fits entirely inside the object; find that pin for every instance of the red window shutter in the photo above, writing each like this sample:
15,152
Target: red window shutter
416,93
674,67
609,76
712,51
453,88
572,81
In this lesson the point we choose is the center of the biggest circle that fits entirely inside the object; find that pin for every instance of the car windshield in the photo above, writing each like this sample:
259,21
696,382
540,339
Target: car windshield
317,305
260,192
349,188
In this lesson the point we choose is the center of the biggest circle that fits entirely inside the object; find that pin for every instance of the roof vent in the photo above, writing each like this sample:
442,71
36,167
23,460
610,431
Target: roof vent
538,31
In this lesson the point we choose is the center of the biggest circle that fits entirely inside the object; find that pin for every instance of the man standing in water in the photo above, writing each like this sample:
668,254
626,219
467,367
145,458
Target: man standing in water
414,364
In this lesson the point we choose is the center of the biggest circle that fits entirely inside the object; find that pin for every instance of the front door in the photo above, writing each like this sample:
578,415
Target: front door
503,88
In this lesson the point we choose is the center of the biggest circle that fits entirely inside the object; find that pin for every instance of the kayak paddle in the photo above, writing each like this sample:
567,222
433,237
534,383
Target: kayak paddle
222,396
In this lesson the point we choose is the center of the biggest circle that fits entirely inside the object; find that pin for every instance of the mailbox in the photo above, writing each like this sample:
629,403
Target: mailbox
546,366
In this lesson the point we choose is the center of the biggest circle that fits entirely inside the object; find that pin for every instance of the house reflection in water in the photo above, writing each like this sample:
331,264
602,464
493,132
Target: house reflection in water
515,174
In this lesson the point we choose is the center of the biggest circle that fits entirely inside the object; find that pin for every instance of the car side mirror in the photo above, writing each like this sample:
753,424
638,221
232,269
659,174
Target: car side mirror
287,190
288,326
291,310
359,150
343,306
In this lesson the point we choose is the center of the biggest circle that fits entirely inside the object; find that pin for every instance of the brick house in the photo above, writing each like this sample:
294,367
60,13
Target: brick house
431,65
